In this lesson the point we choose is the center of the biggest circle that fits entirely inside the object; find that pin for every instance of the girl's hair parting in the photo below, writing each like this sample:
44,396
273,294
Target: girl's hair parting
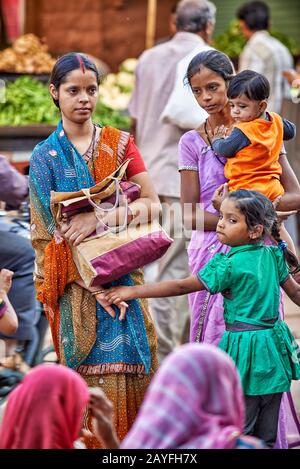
251,84
259,210
214,60
66,64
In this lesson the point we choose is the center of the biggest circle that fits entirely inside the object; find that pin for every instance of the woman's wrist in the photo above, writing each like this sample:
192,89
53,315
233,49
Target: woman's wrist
109,437
113,441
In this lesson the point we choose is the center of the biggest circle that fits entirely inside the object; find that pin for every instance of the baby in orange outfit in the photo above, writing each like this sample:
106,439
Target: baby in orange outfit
253,147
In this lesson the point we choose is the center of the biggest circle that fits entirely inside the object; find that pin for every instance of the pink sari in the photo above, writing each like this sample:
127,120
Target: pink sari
195,400
45,410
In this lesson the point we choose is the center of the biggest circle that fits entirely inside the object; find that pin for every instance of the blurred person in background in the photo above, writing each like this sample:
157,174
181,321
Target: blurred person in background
13,185
263,53
46,411
266,55
158,142
17,255
195,401
293,77
8,317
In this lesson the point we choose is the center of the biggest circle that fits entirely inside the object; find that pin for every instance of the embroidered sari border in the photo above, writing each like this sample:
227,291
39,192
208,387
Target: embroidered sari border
106,368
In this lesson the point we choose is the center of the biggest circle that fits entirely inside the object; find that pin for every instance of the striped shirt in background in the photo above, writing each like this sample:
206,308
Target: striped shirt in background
266,55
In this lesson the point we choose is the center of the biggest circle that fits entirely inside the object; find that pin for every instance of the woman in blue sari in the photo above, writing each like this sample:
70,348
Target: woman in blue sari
119,356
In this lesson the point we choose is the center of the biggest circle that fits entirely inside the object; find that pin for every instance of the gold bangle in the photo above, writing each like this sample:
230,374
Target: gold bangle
95,293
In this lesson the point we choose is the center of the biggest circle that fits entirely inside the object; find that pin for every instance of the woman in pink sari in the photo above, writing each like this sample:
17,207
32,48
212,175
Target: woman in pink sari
47,409
195,400
202,172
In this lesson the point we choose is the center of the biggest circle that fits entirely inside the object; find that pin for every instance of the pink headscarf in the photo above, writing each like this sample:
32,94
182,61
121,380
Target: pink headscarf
45,411
194,401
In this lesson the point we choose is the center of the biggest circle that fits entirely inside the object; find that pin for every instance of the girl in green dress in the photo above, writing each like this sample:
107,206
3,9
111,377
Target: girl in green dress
249,277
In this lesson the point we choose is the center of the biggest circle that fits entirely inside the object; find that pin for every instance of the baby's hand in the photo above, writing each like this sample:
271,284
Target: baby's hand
219,195
220,132
6,280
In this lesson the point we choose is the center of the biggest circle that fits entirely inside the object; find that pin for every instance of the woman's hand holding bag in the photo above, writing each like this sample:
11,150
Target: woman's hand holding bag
111,251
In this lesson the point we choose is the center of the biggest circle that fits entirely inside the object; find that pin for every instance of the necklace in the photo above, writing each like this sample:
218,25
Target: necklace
209,141
87,154
206,132
93,149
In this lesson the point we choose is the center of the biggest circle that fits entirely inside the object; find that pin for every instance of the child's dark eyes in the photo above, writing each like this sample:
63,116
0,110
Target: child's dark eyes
241,106
232,220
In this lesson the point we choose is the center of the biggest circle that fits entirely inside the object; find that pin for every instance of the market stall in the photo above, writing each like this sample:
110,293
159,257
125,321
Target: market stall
27,113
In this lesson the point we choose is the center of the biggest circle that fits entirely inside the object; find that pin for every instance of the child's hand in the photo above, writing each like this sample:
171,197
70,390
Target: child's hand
101,298
118,295
282,216
6,280
219,195
276,202
220,132
296,277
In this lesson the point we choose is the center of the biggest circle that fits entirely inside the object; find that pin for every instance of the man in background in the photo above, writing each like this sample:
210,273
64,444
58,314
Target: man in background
263,53
266,55
158,142
16,254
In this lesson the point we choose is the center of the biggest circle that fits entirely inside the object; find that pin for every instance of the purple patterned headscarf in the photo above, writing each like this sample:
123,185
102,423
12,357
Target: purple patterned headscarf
195,400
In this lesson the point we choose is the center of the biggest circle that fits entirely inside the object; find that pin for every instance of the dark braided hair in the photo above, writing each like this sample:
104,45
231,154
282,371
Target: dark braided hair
259,210
290,257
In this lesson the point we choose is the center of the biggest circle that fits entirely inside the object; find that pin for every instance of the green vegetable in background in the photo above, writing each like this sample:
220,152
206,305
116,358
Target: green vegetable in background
106,116
27,102
231,41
